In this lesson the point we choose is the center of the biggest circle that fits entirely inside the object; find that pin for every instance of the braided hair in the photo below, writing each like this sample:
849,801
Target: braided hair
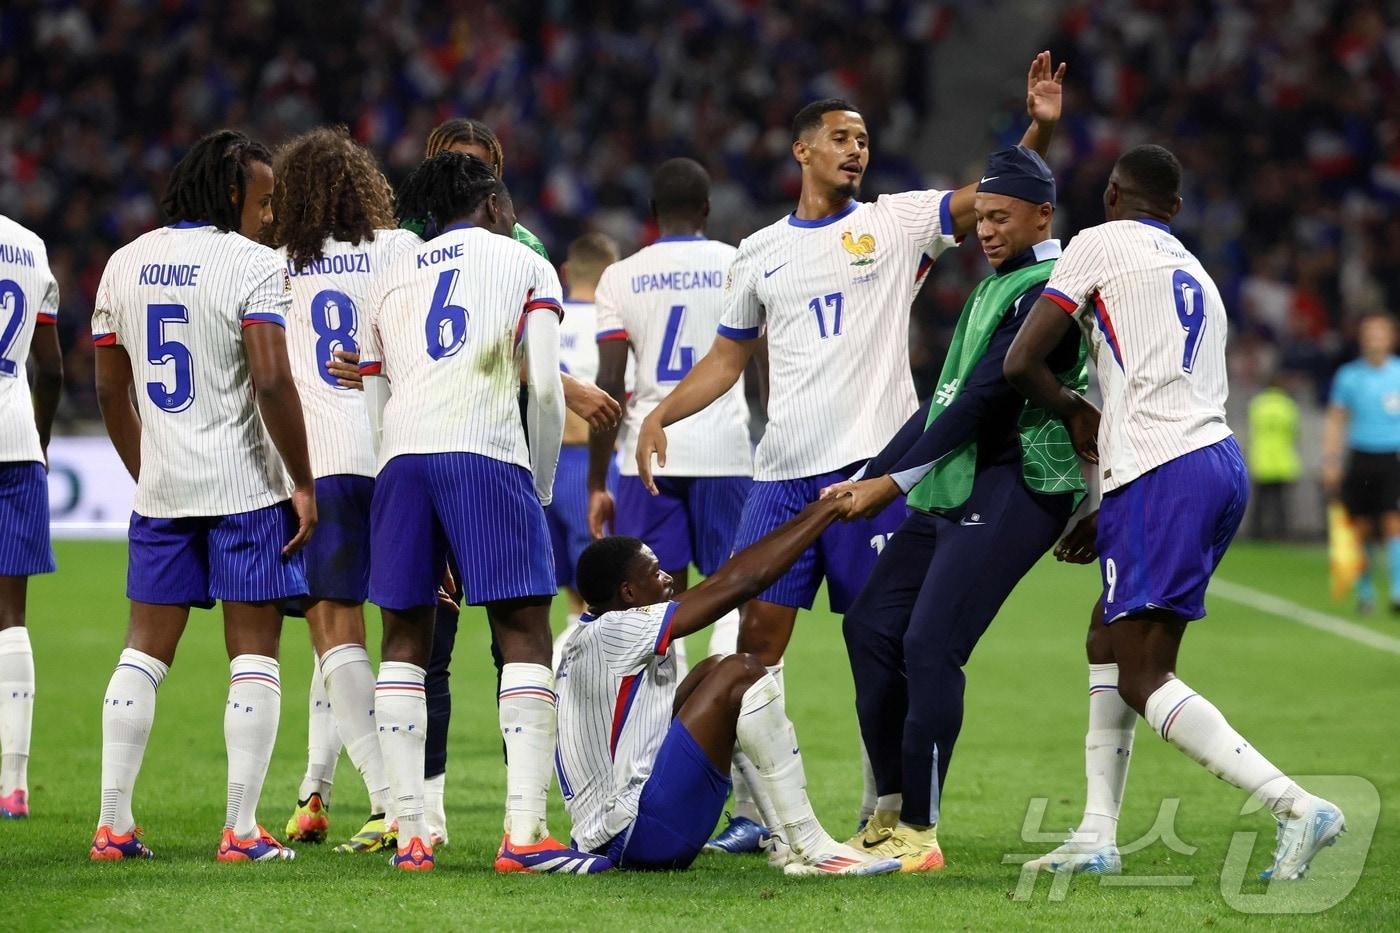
327,186
467,133
200,182
446,187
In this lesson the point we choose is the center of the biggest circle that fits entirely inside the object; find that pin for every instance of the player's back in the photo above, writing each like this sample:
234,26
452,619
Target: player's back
616,684
177,300
445,328
667,300
28,296
330,300
578,349
1158,329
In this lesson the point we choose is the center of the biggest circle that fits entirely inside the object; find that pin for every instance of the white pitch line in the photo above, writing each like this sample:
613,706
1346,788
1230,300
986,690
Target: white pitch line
1287,609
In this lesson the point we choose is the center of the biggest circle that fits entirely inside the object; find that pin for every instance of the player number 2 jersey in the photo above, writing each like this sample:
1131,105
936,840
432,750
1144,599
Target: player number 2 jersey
444,328
834,296
666,300
177,300
330,299
616,685
1156,327
28,297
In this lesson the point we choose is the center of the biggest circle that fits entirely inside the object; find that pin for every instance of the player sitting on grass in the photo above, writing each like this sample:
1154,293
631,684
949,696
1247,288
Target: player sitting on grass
644,762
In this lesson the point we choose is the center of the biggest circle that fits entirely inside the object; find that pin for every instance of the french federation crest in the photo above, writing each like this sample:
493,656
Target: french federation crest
862,247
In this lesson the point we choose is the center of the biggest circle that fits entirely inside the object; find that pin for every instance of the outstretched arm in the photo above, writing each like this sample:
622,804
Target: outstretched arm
753,570
1028,369
1044,99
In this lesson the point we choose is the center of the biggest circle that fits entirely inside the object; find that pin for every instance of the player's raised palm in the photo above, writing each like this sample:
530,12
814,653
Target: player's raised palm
1044,89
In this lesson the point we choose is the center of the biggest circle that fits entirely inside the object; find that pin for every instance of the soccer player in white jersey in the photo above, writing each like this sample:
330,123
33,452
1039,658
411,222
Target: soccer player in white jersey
661,307
29,309
1174,491
567,514
644,758
189,322
333,227
831,285
448,327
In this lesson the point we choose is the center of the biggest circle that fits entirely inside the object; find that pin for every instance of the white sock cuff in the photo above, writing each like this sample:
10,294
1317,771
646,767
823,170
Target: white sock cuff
341,655
399,678
1164,705
153,668
761,693
776,669
15,640
527,681
1102,677
255,670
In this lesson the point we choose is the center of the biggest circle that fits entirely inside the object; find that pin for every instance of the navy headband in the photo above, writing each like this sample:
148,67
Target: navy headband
1019,172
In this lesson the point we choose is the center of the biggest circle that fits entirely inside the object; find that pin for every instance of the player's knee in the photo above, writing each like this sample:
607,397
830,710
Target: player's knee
745,668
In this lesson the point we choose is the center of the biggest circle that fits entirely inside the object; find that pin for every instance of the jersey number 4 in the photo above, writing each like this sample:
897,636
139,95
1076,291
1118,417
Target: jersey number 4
1191,311
675,360
163,350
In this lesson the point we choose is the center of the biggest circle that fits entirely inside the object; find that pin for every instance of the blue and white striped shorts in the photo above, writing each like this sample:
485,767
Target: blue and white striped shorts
25,548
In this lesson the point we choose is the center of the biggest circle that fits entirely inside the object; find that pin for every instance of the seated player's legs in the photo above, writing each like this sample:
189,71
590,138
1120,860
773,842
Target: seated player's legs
25,550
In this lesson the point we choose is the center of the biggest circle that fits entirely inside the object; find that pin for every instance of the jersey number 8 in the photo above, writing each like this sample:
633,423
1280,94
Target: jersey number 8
332,335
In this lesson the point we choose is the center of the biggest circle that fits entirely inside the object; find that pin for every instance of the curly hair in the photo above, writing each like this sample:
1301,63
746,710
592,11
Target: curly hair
467,133
446,187
327,186
199,184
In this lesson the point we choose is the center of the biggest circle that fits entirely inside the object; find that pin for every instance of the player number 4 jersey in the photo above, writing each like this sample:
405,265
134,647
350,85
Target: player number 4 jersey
444,328
666,301
330,301
28,297
834,296
1156,327
177,300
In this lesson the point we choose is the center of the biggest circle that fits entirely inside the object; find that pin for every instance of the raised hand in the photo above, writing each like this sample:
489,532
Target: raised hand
1044,89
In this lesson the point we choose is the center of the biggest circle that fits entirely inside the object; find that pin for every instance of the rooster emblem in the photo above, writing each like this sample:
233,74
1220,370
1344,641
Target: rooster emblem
862,247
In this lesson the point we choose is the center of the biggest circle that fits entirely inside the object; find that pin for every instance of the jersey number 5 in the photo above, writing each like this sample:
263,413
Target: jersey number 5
675,360
10,292
1191,311
163,351
333,320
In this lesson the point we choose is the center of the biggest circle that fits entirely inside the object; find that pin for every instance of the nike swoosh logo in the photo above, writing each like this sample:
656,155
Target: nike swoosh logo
985,180
871,845
771,271
967,524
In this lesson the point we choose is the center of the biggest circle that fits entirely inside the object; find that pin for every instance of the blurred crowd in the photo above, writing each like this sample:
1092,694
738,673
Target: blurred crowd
1284,113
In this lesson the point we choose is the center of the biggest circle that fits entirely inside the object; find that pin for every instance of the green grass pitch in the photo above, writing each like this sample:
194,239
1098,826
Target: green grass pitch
1316,703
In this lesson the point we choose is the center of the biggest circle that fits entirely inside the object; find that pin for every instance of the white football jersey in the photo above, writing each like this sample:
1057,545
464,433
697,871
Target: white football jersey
444,327
177,299
834,296
329,299
578,350
666,301
616,684
28,297
1156,327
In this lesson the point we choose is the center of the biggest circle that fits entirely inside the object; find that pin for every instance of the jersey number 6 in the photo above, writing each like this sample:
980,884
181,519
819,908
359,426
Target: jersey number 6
446,327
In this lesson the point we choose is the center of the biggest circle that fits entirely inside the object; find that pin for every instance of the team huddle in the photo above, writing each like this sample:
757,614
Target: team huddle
331,394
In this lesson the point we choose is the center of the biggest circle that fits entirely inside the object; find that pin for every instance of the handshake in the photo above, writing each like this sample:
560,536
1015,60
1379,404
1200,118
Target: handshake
863,498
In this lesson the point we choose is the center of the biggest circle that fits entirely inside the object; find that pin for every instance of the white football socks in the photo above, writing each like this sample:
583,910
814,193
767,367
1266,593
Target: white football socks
767,738
250,731
401,716
868,796
349,682
527,716
1108,749
750,799
724,634
434,810
16,708
1189,721
322,740
128,709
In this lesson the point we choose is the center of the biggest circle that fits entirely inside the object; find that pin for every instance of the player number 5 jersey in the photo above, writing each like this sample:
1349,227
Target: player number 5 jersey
1157,328
834,296
444,328
28,297
330,301
176,300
